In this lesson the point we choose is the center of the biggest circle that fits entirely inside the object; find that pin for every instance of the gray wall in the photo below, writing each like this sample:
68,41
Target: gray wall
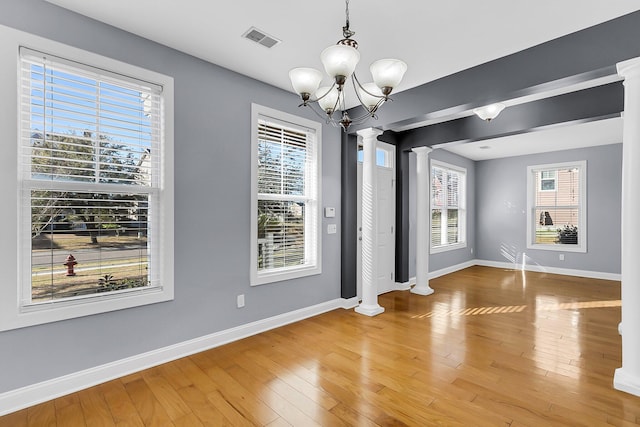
502,202
449,258
212,193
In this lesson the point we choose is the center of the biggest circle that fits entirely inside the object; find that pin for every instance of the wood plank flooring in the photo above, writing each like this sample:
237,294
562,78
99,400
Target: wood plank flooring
491,347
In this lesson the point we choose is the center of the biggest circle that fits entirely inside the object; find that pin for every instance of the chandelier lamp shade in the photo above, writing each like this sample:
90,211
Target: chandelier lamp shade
340,61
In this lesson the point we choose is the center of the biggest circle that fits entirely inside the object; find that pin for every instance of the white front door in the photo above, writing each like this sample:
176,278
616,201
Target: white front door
386,218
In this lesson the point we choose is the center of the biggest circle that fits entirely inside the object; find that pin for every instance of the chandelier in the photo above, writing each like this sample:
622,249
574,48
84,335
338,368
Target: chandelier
340,61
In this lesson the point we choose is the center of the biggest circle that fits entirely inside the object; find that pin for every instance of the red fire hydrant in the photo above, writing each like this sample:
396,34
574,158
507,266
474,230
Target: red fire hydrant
70,262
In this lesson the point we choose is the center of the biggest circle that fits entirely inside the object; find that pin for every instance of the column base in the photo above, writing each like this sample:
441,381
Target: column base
623,381
422,290
369,310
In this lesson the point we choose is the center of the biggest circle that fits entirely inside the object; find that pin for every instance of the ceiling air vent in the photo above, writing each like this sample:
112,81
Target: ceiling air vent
260,37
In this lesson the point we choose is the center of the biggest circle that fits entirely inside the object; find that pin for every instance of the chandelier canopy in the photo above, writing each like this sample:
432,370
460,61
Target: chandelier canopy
340,61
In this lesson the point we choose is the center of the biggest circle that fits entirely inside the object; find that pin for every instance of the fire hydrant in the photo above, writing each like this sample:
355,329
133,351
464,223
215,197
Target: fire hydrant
70,262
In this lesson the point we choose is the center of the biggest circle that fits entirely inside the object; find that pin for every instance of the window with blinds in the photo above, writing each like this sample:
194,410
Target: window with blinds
285,235
448,215
90,172
556,201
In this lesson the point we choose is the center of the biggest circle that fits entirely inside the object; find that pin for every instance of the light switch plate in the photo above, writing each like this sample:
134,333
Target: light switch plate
329,212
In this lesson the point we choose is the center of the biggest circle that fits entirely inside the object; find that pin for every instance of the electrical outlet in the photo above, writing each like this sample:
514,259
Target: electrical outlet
240,301
561,256
471,250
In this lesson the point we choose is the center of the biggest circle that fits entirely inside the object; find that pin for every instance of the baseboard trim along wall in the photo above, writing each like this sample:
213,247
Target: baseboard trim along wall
626,382
551,270
34,394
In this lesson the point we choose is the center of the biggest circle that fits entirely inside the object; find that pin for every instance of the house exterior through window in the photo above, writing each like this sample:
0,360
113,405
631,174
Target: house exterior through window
556,207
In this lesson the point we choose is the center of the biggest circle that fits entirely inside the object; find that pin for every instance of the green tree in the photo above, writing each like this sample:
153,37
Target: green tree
81,158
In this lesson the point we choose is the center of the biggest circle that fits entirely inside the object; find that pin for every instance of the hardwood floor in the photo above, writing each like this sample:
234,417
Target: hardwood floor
491,347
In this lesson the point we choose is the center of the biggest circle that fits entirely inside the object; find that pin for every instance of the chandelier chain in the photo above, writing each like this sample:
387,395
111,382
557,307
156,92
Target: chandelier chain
346,32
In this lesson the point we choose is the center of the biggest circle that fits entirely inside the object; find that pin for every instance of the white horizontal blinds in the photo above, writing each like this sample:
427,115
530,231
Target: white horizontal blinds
85,124
105,232
453,198
556,209
447,205
438,194
90,161
287,194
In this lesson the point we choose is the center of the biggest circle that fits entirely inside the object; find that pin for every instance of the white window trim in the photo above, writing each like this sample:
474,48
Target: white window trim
11,254
462,207
581,247
261,278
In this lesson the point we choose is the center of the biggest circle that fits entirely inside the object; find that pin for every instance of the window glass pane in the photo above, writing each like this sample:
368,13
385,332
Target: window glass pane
381,157
281,234
453,189
452,226
85,129
281,161
556,226
437,187
106,234
557,200
436,227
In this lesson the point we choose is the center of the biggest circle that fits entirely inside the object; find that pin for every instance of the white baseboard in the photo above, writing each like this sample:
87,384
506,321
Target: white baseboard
432,275
34,394
406,285
452,269
551,270
624,382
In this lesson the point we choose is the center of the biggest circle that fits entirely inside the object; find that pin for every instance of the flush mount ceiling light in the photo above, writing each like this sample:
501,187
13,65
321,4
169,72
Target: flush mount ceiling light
489,112
340,62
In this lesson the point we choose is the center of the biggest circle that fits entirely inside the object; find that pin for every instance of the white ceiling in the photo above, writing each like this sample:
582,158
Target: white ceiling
435,39
556,138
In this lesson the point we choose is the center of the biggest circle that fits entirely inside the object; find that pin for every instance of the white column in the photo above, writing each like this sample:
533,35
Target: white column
369,305
627,378
422,221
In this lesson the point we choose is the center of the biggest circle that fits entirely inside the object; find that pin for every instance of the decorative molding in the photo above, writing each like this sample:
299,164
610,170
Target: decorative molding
405,286
624,382
452,269
34,394
551,270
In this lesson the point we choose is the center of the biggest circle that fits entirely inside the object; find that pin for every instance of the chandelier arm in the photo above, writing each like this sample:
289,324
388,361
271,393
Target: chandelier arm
320,97
322,115
355,80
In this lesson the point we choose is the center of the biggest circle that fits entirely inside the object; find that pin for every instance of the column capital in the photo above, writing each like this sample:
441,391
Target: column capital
369,133
629,68
422,150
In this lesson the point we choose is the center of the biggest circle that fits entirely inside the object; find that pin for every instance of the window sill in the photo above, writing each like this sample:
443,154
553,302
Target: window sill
559,248
447,248
284,274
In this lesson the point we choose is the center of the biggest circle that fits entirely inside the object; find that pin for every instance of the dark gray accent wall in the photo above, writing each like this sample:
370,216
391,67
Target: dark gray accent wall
589,104
212,205
501,194
446,259
349,163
